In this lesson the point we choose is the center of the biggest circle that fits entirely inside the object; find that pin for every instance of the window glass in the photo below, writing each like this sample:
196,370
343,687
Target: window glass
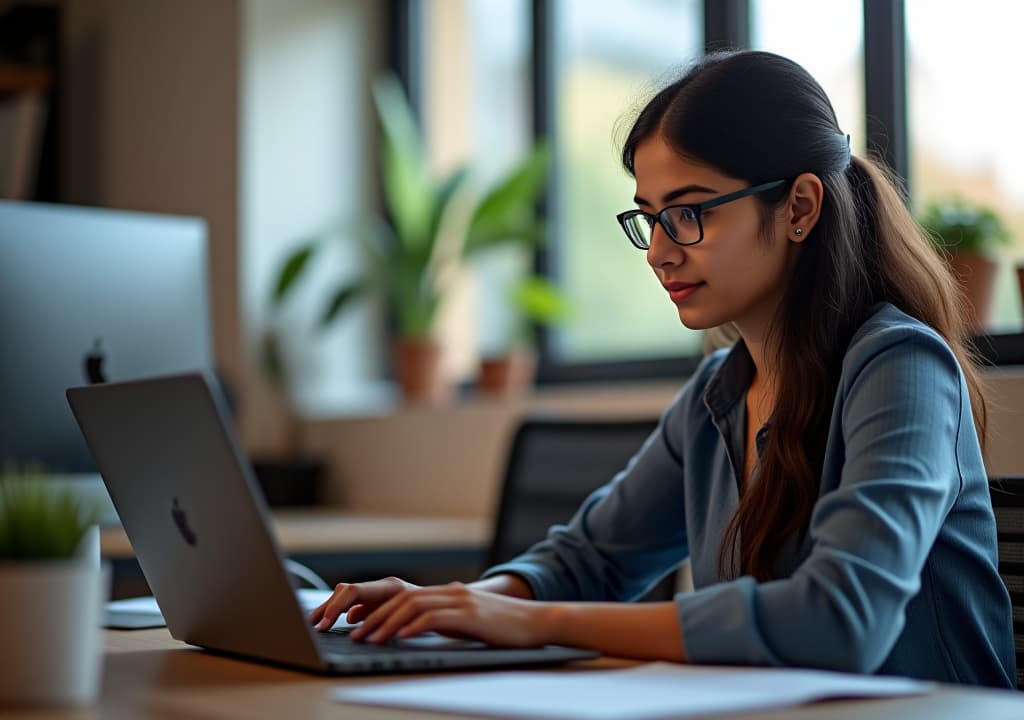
610,57
827,39
965,103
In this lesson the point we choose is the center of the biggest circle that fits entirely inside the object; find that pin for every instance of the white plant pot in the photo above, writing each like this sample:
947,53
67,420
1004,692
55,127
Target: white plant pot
50,616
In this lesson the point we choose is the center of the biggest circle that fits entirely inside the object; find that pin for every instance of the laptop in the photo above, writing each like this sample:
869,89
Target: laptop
201,532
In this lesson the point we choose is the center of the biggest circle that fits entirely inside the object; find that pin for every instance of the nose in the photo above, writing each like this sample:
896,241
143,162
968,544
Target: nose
663,253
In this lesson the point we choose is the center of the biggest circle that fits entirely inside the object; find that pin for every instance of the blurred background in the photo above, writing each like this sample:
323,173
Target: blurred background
259,117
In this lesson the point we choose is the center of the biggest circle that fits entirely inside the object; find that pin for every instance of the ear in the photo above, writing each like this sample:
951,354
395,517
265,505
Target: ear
804,206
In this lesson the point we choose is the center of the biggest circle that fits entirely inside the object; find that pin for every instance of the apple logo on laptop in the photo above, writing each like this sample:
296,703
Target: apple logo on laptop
182,522
94,363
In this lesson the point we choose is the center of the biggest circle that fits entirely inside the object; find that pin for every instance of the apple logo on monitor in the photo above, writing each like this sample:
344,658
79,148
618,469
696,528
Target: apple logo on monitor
94,363
181,521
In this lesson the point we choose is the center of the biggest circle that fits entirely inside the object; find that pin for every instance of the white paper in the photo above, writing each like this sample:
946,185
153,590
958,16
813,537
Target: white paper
136,604
654,690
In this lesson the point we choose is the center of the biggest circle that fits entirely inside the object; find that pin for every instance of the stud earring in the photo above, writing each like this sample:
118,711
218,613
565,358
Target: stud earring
798,232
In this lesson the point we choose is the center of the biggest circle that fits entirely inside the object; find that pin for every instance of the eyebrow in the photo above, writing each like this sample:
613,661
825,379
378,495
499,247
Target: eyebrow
677,193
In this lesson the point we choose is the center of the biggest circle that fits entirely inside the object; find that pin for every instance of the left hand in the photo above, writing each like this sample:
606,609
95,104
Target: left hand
456,610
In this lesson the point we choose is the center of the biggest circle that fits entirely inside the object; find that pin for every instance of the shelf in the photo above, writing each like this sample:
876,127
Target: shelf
17,78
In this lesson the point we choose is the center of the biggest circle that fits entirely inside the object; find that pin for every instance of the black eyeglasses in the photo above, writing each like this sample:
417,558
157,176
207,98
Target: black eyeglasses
681,223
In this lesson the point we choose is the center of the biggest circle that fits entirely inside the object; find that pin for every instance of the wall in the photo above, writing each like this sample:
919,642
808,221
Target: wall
151,118
252,114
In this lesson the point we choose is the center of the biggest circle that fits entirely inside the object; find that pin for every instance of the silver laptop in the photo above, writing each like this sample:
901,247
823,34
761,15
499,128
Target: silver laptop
201,532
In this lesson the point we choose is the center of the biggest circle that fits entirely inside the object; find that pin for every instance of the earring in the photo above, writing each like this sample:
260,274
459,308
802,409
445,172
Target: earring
798,232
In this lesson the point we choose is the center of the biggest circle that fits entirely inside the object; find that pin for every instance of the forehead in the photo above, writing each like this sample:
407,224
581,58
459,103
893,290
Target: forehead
659,169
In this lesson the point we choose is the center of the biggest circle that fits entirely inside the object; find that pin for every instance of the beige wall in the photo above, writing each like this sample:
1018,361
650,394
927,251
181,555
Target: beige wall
151,118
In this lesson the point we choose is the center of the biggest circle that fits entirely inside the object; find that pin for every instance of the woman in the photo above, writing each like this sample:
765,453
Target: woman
824,475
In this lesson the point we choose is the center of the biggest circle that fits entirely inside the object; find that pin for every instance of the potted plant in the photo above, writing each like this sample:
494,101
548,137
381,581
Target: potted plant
432,226
534,301
52,593
968,237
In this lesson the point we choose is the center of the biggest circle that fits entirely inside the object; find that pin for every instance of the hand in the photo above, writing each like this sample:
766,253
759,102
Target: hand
456,610
358,599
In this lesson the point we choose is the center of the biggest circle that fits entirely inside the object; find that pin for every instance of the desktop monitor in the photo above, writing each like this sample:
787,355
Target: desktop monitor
90,295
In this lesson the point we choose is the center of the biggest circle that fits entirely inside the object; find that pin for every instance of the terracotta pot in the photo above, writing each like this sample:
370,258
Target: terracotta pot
511,374
976,275
420,373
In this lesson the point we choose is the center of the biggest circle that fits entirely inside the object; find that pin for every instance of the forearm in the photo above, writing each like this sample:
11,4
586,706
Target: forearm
644,631
505,584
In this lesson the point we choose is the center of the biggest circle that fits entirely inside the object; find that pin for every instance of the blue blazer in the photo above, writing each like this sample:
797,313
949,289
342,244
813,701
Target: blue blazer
897,573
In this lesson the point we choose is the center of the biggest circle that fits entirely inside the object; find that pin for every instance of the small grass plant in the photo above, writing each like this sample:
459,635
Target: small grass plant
38,521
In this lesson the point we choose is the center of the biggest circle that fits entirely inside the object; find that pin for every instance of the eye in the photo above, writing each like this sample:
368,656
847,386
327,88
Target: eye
684,213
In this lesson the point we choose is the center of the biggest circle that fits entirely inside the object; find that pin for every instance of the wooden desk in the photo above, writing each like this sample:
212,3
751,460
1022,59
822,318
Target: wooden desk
347,546
148,675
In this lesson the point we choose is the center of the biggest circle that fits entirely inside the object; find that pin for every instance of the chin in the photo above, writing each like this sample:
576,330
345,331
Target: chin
697,321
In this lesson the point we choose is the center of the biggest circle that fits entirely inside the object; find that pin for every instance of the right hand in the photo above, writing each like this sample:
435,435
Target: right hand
357,599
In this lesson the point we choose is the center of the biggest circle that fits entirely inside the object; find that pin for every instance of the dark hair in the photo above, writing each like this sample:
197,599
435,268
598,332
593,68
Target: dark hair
755,116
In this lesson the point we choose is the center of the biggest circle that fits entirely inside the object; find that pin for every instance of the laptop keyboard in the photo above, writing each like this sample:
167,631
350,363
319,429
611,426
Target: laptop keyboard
338,641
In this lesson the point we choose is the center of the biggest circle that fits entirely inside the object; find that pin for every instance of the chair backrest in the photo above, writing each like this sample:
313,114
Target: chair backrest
553,465
1008,504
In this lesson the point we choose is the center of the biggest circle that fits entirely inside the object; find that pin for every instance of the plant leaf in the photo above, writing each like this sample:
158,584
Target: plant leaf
293,267
541,302
341,299
509,211
407,188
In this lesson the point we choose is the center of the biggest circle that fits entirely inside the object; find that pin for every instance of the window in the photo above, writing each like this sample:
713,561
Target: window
965,107
610,57
477,110
796,29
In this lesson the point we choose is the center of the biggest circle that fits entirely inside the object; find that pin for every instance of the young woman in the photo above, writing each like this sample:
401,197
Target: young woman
824,475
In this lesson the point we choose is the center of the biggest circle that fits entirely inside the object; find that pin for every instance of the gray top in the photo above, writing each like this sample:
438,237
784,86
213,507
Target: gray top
897,573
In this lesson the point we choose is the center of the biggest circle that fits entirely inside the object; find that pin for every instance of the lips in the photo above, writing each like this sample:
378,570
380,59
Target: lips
679,291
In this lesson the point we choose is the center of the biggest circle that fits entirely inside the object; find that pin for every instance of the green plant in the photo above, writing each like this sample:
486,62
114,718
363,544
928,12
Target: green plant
536,302
955,225
38,522
432,225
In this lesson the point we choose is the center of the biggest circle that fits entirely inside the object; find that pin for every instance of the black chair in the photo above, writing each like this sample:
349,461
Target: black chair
1008,503
553,465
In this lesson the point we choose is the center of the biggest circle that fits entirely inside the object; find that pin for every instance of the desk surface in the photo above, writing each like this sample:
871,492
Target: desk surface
149,675
326,530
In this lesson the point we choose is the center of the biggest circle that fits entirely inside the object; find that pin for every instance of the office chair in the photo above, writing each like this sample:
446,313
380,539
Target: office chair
1008,503
553,465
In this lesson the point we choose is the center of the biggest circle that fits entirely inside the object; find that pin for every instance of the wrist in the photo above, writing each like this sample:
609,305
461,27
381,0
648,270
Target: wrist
554,622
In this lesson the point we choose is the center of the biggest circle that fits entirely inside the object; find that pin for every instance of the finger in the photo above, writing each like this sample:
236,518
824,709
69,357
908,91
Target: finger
348,594
451,622
378,615
356,613
406,613
327,614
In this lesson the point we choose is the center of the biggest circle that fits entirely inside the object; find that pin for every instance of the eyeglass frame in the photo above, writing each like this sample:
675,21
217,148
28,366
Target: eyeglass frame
697,209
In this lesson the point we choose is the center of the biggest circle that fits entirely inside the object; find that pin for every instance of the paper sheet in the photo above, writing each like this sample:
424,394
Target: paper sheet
654,690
